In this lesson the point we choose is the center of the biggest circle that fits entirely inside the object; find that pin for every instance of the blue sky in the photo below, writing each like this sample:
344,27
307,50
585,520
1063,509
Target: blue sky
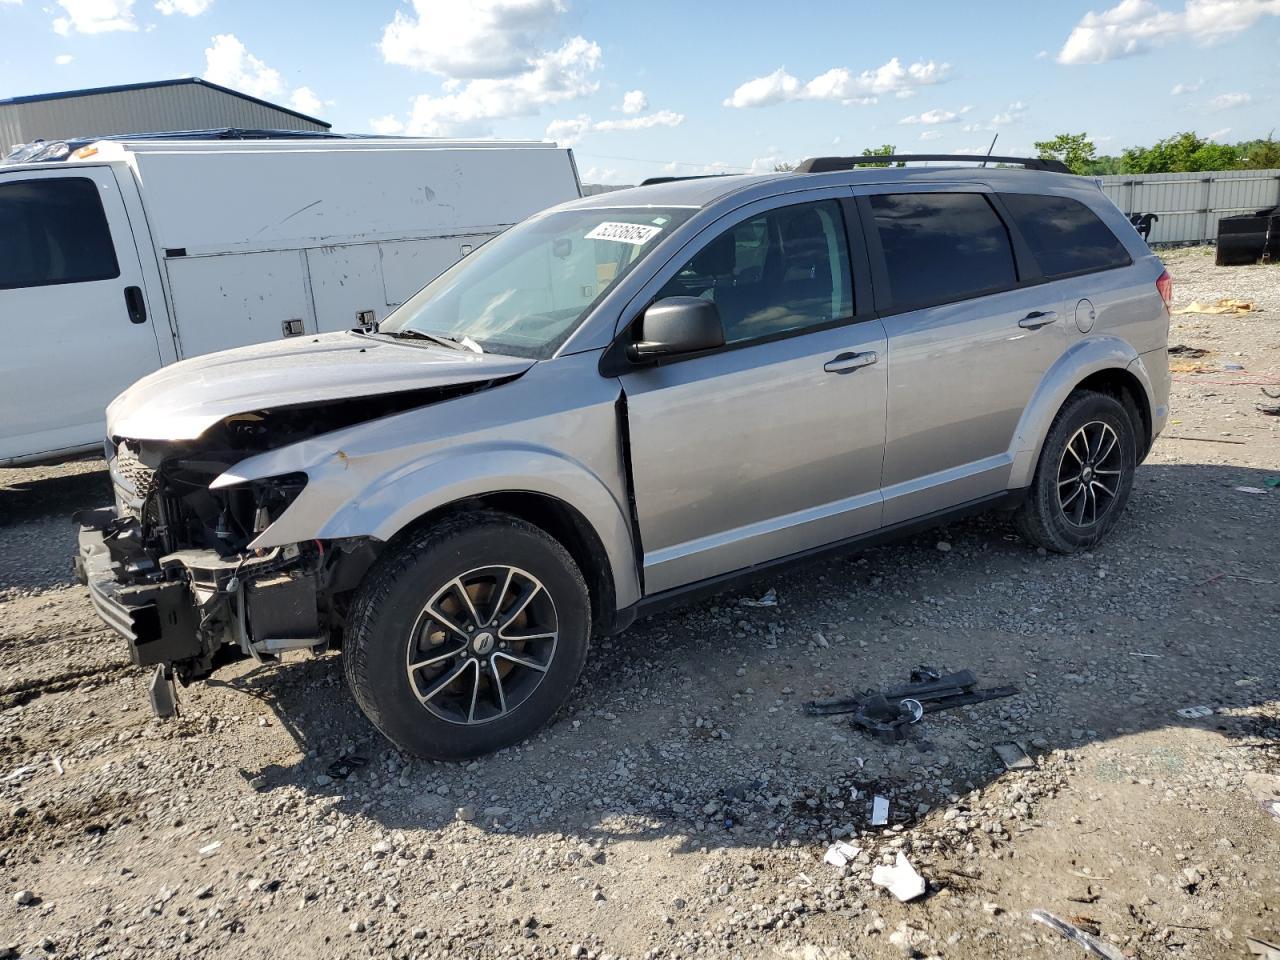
690,87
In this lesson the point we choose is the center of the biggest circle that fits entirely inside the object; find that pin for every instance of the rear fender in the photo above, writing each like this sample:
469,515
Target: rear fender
1080,361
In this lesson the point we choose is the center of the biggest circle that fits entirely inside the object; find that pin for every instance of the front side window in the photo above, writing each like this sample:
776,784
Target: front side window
942,247
53,231
1065,236
776,272
525,291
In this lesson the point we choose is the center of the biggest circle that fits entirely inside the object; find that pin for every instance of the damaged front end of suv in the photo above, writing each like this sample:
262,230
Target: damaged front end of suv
172,567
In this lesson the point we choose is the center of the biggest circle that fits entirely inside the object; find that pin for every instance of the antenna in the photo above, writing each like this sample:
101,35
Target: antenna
992,147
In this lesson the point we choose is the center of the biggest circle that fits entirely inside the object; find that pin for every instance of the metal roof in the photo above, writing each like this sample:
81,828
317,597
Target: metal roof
151,85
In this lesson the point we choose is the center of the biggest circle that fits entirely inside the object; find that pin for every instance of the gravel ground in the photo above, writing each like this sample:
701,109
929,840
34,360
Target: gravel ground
682,804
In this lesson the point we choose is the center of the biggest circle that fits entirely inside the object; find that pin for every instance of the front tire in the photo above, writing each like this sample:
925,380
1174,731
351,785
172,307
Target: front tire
1084,475
468,637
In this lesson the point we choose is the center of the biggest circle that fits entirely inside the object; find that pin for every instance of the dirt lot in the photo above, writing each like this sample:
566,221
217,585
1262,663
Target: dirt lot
682,805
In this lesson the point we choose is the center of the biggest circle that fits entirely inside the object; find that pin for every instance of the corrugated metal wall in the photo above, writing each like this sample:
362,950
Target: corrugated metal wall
183,106
1189,204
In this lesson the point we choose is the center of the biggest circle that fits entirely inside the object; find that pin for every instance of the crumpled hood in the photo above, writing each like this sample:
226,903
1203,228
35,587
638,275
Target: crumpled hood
181,401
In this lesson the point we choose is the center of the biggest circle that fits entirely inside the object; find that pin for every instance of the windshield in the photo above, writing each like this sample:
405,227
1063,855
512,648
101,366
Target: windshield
525,291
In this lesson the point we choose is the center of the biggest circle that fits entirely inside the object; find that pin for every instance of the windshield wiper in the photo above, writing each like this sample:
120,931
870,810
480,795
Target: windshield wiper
463,341
409,334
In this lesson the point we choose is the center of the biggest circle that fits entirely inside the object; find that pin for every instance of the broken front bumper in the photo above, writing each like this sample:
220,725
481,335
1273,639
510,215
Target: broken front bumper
187,608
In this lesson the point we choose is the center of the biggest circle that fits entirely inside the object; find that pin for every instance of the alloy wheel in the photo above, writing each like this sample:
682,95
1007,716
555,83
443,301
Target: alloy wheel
1089,474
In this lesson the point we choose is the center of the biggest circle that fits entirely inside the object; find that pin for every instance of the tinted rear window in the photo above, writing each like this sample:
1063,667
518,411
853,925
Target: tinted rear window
1065,236
940,247
53,231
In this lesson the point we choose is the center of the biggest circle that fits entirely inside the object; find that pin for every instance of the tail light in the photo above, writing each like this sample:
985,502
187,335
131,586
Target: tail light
1164,283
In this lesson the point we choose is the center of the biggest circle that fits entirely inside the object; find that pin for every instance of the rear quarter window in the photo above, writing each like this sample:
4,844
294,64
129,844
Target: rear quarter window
1064,235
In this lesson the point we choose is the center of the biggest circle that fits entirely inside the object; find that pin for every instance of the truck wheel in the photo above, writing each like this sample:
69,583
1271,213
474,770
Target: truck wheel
468,637
1084,476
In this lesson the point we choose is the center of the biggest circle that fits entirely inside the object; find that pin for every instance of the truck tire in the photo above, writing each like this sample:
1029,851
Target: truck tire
467,637
1084,475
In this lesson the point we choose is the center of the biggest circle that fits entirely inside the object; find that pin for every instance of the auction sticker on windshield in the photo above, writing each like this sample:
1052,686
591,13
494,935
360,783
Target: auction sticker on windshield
636,233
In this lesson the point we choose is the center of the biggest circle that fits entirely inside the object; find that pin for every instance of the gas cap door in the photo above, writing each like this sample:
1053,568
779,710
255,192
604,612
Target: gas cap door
1085,315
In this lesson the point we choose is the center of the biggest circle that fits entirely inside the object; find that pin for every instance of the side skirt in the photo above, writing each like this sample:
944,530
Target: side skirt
701,589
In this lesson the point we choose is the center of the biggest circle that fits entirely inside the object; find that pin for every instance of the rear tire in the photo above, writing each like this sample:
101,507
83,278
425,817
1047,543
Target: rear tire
1084,475
468,637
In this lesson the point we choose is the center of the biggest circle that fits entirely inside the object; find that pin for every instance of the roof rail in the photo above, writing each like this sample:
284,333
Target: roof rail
650,181
829,164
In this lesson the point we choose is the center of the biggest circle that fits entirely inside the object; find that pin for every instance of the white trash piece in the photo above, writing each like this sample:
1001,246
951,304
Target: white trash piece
1195,713
901,879
879,811
840,853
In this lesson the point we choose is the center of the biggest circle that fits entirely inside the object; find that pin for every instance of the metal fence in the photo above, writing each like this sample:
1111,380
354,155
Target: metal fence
1189,205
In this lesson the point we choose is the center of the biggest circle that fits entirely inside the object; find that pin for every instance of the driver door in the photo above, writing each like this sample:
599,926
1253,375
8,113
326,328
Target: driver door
773,444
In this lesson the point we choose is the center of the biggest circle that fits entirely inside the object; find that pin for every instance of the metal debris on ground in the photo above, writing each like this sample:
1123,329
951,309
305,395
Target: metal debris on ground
1014,757
1195,713
770,599
887,715
879,811
343,767
901,879
1225,305
1182,350
1090,943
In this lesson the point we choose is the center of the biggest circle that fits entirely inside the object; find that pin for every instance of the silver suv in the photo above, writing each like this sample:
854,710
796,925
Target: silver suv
624,402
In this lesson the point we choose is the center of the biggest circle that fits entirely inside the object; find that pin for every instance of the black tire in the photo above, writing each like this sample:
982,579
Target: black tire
1042,519
391,605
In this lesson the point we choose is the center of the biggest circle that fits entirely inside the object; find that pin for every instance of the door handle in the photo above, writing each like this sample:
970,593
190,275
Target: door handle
136,306
846,362
1037,319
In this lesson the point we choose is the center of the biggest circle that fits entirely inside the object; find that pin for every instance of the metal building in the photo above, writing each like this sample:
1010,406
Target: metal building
1187,206
186,104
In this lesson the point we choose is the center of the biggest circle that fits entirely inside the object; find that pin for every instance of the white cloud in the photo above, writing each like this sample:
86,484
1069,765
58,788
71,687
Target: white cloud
931,135
1016,112
634,101
930,117
1043,55
95,16
1218,135
304,100
569,132
468,108
188,8
478,39
1180,88
1226,101
386,126
228,63
839,84
1136,26
63,59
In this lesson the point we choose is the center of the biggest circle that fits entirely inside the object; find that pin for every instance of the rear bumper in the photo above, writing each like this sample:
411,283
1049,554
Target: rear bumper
158,620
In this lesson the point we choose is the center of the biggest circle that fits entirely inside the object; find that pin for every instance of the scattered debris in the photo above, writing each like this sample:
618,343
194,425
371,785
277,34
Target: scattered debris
1195,713
1178,436
1225,305
770,599
344,766
887,715
1270,409
1233,366
1254,490
1269,482
209,848
1014,757
1090,942
901,879
840,853
1182,350
879,811
1263,948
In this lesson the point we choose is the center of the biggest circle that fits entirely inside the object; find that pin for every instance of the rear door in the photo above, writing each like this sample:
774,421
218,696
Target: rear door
73,313
971,329
771,445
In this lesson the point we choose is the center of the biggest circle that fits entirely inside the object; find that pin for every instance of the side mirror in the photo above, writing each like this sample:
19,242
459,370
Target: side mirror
677,325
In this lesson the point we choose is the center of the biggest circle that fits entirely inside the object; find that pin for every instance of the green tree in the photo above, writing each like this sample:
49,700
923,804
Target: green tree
1076,150
1260,154
884,150
784,166
1182,153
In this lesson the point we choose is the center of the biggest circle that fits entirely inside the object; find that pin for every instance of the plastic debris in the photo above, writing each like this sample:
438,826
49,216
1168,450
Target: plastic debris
1090,943
770,599
901,879
840,853
209,848
1014,757
1194,713
879,811
1254,490
1271,482
1225,305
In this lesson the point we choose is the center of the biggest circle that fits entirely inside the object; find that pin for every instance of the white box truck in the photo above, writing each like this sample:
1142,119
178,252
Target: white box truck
129,255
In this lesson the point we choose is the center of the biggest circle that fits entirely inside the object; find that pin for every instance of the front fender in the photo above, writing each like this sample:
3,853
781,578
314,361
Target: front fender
1081,360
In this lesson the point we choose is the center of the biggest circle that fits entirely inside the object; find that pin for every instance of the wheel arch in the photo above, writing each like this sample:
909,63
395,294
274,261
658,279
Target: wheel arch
1106,364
